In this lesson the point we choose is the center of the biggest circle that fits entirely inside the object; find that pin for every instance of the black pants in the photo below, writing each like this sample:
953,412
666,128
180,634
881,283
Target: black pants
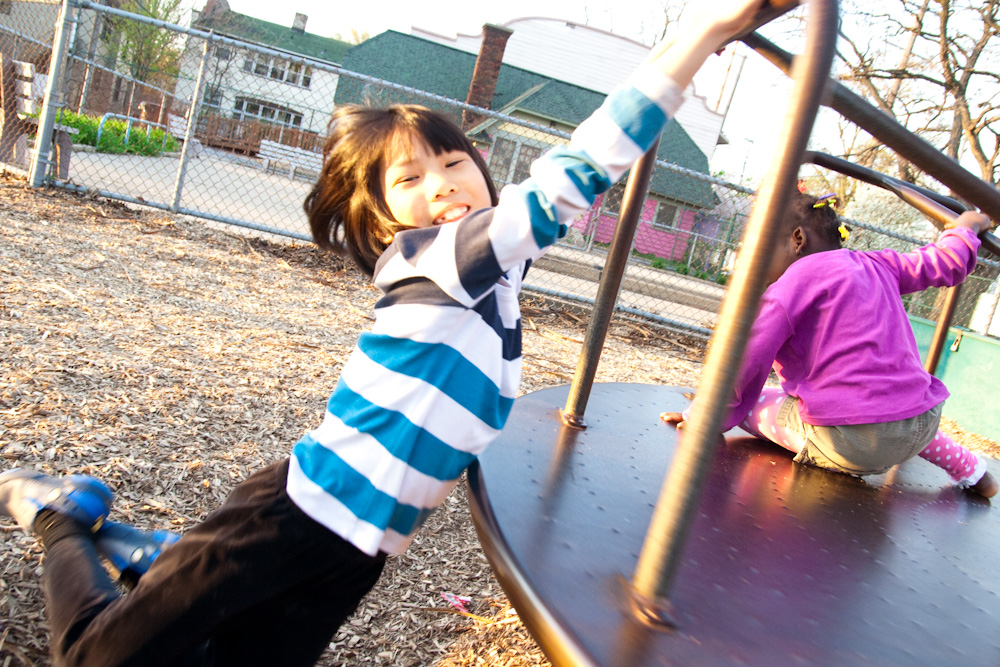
258,583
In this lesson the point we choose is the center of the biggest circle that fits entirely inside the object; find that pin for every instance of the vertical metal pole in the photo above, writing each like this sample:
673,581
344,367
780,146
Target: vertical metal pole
95,33
84,89
40,159
675,510
594,223
199,83
941,330
994,302
607,289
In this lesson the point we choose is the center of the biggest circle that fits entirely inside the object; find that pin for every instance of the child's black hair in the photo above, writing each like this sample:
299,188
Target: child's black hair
346,207
816,215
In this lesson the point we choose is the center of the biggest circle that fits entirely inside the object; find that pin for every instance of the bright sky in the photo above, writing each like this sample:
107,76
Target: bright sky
751,126
637,19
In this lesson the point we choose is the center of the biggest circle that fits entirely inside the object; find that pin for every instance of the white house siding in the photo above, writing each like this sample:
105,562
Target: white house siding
586,57
314,103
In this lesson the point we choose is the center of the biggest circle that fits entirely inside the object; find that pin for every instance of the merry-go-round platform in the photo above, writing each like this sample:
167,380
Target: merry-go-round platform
785,564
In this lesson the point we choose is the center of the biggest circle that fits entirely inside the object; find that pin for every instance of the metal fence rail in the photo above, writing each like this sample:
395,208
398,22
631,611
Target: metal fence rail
260,117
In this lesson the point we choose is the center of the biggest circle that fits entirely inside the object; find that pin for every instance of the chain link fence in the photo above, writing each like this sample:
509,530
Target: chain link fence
234,135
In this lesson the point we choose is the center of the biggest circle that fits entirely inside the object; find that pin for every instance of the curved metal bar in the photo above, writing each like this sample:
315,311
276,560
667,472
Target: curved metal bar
941,210
886,129
878,179
675,509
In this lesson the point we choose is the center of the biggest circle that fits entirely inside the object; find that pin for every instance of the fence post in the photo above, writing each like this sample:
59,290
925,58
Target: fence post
40,158
199,83
994,302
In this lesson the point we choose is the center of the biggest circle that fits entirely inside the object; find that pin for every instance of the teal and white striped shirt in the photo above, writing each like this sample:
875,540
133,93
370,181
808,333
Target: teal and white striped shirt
432,383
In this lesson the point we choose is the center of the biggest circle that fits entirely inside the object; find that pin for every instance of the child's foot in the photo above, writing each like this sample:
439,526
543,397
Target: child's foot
131,551
987,486
25,493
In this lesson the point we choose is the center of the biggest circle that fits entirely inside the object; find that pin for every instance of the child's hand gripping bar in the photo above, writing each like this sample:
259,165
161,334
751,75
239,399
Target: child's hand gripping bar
769,10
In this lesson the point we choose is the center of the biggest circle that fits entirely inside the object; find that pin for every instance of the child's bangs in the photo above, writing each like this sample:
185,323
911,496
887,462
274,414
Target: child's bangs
441,135
417,125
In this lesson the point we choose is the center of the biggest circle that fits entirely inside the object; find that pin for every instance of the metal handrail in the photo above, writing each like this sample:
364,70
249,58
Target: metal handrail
128,127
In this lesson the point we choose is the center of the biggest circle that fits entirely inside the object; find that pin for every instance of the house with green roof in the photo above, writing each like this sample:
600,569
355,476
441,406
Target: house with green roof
249,94
676,202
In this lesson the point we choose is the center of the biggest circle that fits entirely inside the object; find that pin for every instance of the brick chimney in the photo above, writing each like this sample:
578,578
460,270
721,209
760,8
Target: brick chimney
213,8
484,77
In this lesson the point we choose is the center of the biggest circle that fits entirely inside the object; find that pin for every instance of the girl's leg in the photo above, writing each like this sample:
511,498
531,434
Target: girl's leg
76,585
964,467
296,627
763,421
257,548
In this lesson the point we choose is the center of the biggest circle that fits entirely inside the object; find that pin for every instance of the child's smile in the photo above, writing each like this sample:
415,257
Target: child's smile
423,189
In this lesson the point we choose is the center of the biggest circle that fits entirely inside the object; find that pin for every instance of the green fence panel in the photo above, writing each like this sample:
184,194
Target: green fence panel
969,368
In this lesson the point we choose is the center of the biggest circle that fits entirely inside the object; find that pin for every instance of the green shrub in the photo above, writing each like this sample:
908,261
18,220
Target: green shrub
113,136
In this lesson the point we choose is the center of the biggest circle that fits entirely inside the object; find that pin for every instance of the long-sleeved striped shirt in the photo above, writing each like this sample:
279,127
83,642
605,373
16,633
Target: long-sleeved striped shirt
432,383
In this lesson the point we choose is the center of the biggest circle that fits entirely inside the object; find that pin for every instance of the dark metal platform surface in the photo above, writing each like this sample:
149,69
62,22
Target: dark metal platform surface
786,564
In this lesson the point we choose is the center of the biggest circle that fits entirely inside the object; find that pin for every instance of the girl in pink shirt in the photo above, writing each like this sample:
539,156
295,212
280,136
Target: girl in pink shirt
854,395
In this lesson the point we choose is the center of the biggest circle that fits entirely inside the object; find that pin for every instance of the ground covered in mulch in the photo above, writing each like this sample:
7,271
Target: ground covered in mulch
172,360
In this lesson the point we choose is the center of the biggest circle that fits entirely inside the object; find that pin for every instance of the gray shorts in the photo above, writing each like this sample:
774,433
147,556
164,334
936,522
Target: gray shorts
860,449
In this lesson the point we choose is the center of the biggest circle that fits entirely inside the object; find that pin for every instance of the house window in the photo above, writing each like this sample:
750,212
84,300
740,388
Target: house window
248,108
107,28
525,157
278,69
213,95
666,216
222,53
510,161
501,158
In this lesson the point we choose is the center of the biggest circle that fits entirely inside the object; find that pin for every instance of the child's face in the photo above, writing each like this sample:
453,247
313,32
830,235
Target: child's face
423,189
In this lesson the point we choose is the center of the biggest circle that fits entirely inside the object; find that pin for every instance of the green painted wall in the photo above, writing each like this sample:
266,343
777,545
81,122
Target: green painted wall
972,373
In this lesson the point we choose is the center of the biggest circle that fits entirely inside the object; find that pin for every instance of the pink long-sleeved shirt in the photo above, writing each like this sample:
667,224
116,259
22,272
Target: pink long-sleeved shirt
834,329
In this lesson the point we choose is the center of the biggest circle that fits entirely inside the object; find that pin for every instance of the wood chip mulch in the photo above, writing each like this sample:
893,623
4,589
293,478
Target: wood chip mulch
171,360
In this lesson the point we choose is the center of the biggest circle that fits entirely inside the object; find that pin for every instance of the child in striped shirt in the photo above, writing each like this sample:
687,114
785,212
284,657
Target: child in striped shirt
270,576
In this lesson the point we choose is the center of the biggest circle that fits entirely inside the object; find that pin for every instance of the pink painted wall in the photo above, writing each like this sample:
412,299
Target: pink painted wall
669,245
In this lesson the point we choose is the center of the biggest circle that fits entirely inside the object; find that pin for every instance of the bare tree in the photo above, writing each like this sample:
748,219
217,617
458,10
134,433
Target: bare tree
354,38
932,64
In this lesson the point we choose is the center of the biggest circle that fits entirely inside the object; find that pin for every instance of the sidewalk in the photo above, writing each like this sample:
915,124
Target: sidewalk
223,184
